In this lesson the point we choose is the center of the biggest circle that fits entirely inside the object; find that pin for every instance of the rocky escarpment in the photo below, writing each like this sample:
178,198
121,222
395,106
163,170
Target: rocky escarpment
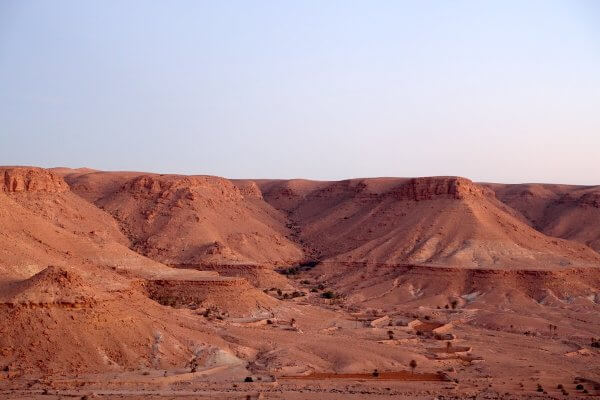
183,187
430,188
30,179
286,194
233,295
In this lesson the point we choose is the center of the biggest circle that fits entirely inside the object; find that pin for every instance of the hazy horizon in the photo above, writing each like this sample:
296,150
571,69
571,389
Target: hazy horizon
504,92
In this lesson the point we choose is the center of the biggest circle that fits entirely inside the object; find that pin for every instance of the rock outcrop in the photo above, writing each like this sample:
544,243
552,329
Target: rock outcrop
418,189
249,189
30,179
183,187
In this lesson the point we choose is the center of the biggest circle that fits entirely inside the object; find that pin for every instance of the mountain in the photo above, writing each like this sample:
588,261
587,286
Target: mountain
442,221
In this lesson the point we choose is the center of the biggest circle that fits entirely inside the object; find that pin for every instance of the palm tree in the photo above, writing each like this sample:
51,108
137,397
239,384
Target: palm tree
413,365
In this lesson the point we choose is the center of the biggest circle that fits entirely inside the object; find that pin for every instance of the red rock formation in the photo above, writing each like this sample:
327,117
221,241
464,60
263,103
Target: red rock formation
439,187
29,179
249,189
170,186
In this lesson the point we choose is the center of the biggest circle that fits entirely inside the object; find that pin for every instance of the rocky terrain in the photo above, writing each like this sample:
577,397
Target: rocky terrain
138,285
568,212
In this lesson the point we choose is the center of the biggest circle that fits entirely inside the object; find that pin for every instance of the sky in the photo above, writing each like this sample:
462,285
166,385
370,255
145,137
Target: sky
497,91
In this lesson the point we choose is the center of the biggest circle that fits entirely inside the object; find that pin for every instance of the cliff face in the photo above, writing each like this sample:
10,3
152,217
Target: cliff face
188,187
288,194
31,179
430,188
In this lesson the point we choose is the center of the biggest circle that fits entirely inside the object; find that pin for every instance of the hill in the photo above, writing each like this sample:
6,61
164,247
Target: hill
62,321
44,223
564,211
444,221
213,220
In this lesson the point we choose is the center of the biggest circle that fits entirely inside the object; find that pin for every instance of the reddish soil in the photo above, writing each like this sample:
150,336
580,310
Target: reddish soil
380,376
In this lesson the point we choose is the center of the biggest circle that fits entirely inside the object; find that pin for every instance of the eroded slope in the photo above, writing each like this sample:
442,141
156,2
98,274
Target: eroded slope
564,211
445,221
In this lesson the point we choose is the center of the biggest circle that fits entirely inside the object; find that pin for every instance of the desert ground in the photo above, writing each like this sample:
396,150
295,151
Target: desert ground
133,285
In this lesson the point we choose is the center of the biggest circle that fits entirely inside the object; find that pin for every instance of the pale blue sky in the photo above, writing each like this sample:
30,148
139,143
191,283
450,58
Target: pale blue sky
505,91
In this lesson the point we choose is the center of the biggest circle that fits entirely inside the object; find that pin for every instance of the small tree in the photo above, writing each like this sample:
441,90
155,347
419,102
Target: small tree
448,346
412,365
375,373
539,388
390,334
196,359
